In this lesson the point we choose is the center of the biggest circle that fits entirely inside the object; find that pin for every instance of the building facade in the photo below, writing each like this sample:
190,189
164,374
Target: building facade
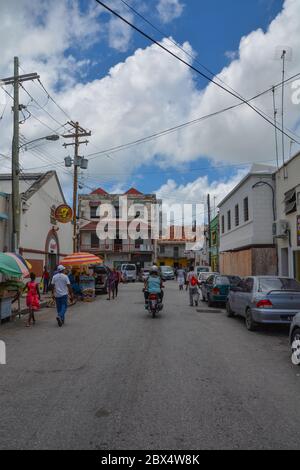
43,240
173,250
287,227
214,244
117,250
246,218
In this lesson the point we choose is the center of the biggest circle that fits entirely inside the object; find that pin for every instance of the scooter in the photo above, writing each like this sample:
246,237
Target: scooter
154,304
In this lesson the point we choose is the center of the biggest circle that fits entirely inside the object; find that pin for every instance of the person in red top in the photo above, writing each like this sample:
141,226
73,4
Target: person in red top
46,278
32,299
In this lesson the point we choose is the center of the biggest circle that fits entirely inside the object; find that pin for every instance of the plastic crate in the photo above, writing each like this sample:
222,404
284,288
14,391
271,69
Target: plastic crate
5,308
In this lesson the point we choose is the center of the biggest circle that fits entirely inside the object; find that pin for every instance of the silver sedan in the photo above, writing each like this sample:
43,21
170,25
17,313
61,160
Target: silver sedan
265,299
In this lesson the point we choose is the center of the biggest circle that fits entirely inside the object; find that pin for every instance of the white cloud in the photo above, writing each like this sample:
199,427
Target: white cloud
169,10
148,92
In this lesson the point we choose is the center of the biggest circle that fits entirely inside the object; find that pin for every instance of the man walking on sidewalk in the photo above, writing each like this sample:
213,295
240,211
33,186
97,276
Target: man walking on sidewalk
192,285
62,287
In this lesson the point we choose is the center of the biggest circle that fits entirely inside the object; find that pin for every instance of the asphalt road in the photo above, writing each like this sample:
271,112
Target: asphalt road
114,378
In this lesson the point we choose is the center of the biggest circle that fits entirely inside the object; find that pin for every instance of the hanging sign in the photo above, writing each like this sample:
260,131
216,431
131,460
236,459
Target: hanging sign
63,214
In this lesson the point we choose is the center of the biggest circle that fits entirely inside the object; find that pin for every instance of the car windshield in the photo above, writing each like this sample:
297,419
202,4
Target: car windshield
224,280
234,280
269,284
100,270
166,269
130,267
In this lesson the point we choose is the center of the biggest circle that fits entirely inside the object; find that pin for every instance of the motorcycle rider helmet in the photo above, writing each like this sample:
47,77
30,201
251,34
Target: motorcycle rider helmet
154,269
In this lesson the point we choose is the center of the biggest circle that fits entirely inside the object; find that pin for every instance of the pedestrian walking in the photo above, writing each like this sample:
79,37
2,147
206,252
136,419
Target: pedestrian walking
62,288
111,285
192,286
117,278
45,280
180,277
32,299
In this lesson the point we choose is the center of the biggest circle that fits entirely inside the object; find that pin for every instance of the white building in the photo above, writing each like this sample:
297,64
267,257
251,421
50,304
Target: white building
288,218
43,241
247,216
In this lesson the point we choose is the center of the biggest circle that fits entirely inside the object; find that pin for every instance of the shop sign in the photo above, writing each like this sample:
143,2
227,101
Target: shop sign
63,214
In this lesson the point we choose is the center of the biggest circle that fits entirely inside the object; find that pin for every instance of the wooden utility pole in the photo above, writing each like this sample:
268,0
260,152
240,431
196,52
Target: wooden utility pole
79,132
209,231
15,164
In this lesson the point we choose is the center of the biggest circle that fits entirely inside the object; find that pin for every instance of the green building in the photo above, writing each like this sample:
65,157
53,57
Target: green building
214,243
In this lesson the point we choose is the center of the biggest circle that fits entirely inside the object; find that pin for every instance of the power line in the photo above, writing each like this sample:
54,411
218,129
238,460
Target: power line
38,104
186,124
154,41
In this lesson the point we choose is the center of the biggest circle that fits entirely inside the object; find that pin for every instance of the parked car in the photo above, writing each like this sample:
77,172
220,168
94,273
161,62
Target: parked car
101,273
264,299
216,288
295,333
144,274
203,269
129,272
167,273
204,276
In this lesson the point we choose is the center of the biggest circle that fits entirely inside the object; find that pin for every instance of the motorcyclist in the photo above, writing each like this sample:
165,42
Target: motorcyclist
153,285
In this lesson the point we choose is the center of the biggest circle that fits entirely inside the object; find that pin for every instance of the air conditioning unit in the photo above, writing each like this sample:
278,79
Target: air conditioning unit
281,229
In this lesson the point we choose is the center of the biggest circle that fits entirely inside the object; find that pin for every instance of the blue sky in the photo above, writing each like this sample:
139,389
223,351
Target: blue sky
212,28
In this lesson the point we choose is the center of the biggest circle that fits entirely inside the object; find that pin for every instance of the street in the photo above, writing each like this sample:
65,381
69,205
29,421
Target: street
114,378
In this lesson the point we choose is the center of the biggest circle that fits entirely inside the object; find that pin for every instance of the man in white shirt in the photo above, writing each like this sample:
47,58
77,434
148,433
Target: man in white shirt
62,287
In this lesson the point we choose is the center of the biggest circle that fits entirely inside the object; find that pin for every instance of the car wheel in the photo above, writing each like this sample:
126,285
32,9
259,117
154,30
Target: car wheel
295,337
250,323
230,312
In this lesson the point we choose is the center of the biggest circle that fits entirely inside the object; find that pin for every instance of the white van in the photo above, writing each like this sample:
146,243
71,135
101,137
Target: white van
129,272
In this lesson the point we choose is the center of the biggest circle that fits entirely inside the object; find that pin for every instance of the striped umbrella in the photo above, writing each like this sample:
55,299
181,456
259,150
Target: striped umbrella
12,266
81,259
22,262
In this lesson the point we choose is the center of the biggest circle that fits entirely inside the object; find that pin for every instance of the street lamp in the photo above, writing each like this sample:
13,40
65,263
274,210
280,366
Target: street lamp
52,138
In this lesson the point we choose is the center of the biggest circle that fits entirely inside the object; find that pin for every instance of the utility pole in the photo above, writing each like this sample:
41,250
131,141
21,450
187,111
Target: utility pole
79,132
209,234
15,164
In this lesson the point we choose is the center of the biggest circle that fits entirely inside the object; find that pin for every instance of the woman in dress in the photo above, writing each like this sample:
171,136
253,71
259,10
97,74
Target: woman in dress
32,299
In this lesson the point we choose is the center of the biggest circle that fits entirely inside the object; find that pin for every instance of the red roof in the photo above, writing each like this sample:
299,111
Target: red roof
99,191
133,191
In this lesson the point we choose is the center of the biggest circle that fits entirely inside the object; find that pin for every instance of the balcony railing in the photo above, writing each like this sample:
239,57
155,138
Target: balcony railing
125,248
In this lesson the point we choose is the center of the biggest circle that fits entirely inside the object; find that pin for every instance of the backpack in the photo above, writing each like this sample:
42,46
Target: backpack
194,281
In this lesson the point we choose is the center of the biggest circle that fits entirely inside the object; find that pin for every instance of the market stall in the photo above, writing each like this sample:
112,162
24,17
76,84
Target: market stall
82,282
13,268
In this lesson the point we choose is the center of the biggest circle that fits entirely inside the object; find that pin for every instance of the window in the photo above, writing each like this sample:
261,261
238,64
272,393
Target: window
290,201
94,240
176,252
246,209
94,212
229,220
237,215
223,224
162,250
